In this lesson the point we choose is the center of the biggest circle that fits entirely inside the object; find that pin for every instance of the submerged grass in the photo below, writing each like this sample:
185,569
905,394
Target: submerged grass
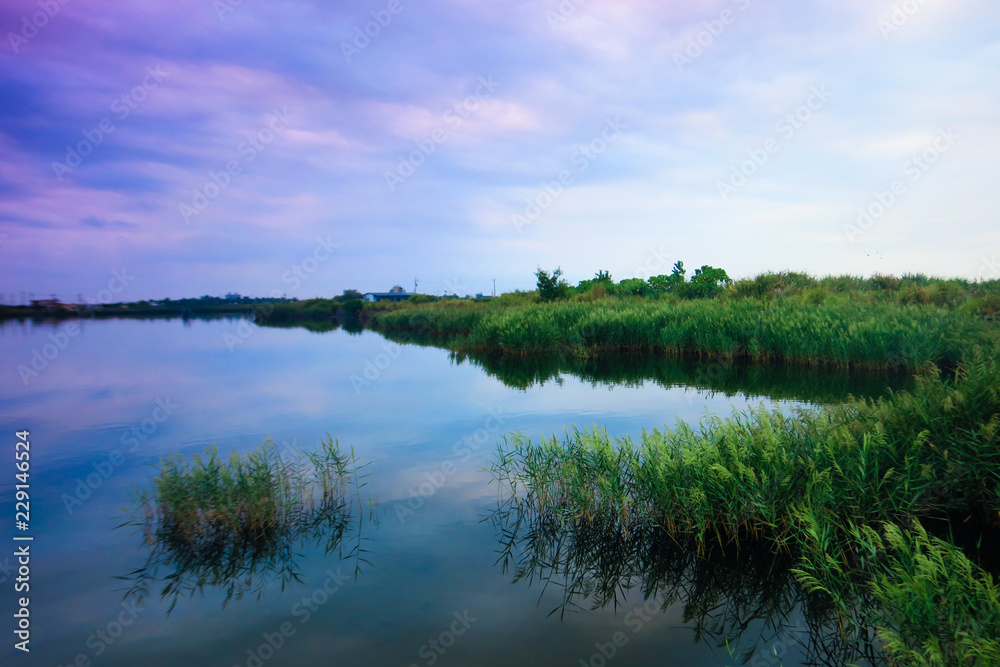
842,491
235,523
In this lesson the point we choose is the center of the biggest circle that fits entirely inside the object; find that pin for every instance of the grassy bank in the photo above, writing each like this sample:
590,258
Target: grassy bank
845,492
843,334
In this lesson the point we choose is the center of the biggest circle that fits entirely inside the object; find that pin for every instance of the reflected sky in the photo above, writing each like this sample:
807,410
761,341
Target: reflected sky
426,424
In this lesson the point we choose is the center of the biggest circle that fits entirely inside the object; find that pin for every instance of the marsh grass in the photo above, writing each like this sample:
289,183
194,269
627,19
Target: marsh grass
845,334
235,523
841,491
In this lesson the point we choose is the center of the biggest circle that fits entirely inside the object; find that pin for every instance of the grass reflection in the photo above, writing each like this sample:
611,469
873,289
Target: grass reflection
740,595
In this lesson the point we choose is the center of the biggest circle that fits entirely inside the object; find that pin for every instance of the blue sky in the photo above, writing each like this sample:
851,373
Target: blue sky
207,147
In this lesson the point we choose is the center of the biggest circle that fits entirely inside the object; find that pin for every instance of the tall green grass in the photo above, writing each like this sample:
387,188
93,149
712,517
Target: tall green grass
838,490
879,335
235,523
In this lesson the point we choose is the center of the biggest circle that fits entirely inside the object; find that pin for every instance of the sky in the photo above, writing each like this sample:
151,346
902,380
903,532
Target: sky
175,148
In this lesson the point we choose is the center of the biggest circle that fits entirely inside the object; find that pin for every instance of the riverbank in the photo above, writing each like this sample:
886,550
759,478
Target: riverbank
845,334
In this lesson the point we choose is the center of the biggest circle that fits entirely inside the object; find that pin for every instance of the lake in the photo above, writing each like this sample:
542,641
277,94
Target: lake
419,577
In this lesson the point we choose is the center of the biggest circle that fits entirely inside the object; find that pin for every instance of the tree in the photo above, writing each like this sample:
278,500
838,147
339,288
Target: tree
673,283
707,282
551,287
349,295
601,280
633,287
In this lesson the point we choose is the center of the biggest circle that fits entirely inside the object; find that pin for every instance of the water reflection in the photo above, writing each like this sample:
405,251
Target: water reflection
238,525
744,599
729,374
726,375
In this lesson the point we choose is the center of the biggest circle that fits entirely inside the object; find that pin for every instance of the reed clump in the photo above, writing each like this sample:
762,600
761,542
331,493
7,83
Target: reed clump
843,491
235,523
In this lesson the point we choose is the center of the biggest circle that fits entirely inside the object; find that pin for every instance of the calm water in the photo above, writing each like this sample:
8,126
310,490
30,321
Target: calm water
429,589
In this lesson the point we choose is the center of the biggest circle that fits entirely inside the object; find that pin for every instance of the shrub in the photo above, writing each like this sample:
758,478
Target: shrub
353,307
551,288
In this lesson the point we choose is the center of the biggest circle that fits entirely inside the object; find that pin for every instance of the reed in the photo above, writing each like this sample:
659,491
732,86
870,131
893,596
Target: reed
837,489
235,523
832,334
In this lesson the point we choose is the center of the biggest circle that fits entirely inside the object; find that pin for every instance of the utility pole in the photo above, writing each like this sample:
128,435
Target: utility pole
414,284
494,287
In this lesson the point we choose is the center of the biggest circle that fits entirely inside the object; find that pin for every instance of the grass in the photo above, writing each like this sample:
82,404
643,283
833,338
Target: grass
843,491
235,523
833,334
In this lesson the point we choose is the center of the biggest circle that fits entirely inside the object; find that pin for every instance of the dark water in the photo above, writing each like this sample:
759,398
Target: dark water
419,577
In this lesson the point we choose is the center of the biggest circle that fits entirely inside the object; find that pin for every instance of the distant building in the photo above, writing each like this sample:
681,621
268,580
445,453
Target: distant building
397,293
52,304
233,296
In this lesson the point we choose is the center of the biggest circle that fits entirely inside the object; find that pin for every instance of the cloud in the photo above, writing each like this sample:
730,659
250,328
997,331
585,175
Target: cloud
101,223
559,81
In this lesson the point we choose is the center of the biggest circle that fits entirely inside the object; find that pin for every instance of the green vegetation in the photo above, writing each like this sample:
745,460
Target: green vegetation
846,334
882,322
846,322
848,493
551,288
235,523
271,309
